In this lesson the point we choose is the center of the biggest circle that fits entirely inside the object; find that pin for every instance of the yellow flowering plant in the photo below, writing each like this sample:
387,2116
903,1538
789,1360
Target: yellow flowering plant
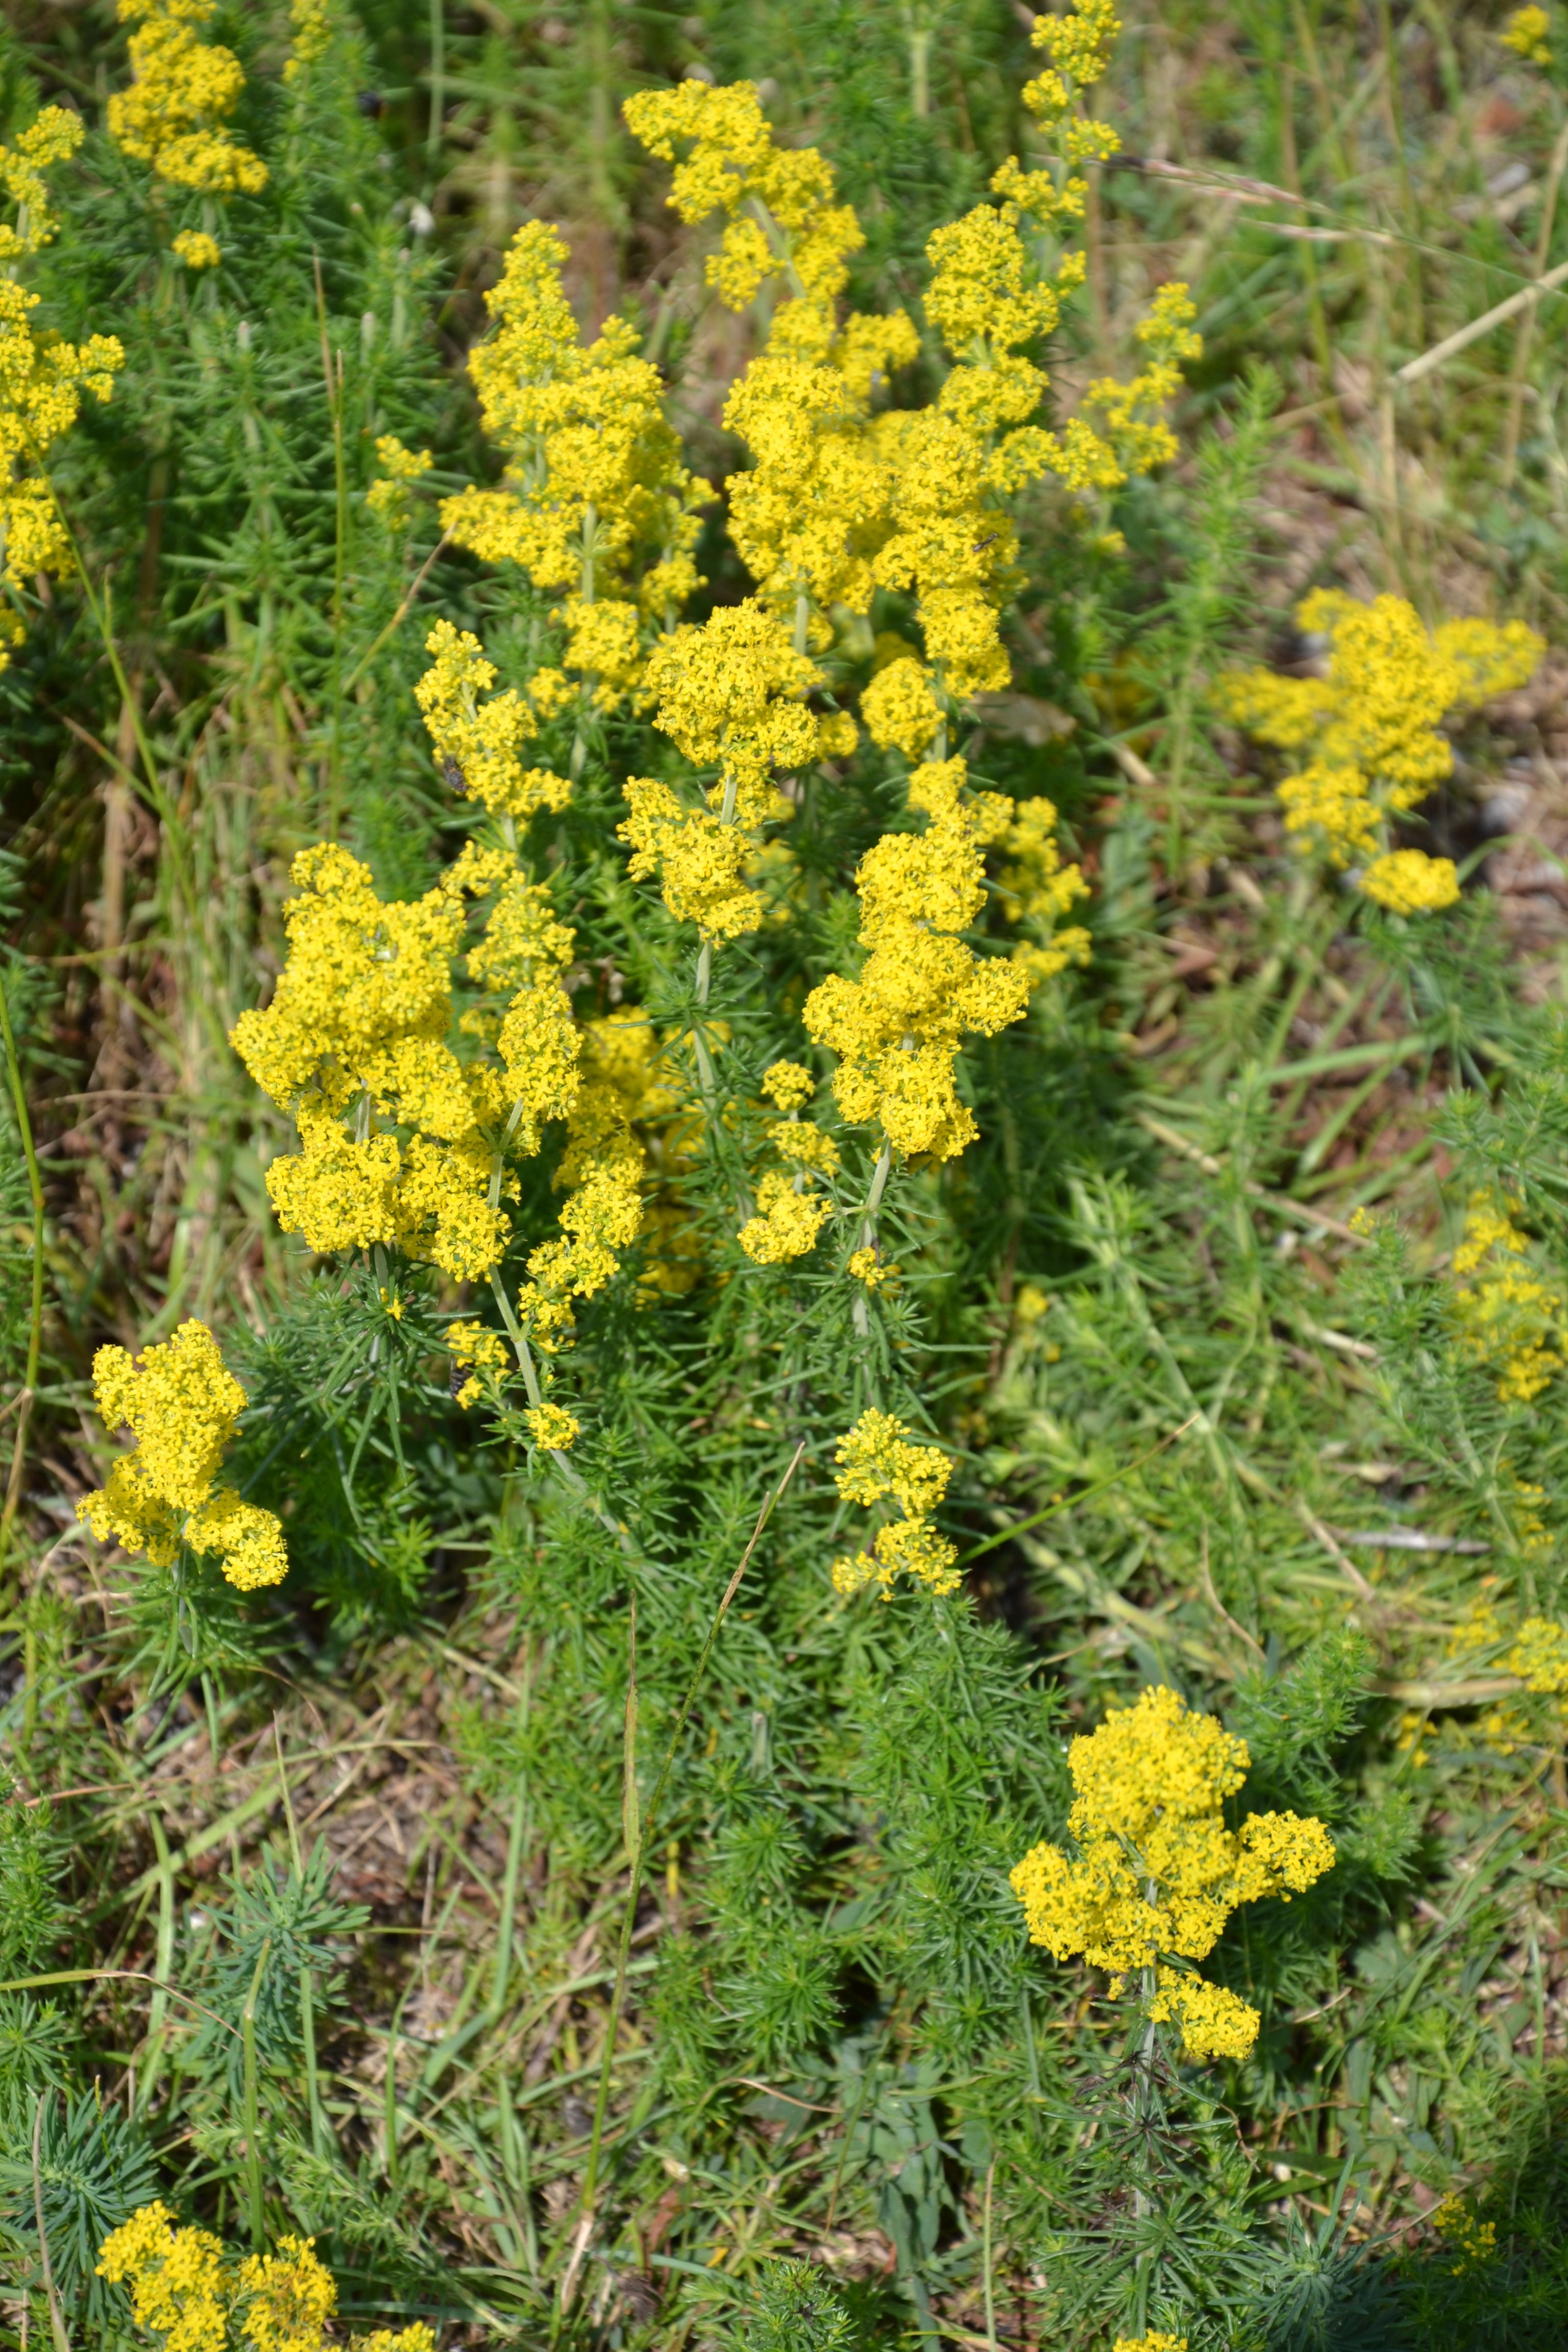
1372,730
1157,1871
190,2293
43,378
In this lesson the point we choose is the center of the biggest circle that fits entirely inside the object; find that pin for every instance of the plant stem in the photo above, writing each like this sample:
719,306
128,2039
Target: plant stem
861,1316
633,1874
252,2102
36,1303
57,2317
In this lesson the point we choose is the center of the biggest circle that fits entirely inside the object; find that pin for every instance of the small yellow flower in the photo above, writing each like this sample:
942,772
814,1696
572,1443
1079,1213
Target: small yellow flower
1526,34
879,1462
181,89
1475,2241
196,250
181,1405
1157,1871
551,1427
867,1267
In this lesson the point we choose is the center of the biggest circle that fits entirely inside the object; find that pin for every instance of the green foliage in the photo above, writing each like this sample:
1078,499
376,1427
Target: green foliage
797,2311
1184,1405
87,2169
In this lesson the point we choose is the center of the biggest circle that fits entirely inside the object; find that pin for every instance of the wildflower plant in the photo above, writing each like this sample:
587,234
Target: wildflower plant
1157,1871
686,1114
1371,725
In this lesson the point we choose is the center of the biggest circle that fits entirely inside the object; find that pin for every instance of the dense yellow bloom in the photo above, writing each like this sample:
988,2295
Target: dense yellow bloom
866,1266
1507,1315
1408,882
601,1175
477,743
788,1220
359,1023
173,115
1157,1871
1157,2340
312,27
1037,889
196,250
552,1427
897,1028
732,696
189,2288
42,378
475,1344
1526,33
389,497
176,2279
788,1085
900,709
1474,2242
878,1463
180,1404
595,493
287,2298
779,202
1371,729
1540,1657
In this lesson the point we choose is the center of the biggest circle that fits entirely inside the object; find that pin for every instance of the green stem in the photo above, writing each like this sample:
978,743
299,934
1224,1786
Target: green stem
861,1316
253,2103
645,1841
570,1474
312,2080
36,1306
332,371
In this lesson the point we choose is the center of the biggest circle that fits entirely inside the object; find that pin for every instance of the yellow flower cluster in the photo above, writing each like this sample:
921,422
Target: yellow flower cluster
1370,728
601,1175
1157,2340
359,1025
473,1344
172,116
1036,889
1540,1657
897,1028
596,497
477,744
186,2287
389,497
312,27
778,202
731,694
178,2287
42,378
196,250
1157,1871
180,1404
837,500
877,1463
1526,34
1474,2242
1507,1315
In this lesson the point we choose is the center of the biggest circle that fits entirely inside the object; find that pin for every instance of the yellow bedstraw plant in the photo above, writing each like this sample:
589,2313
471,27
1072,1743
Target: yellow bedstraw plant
1157,1872
180,1403
173,117
1506,1314
191,2292
1371,730
42,377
